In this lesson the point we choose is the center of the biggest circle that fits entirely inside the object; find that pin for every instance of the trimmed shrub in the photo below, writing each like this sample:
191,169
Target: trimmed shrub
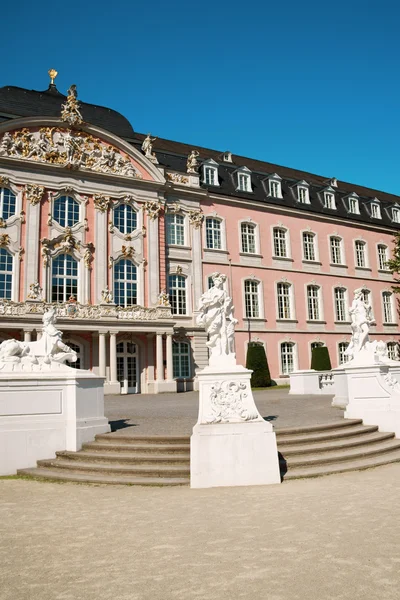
320,360
256,360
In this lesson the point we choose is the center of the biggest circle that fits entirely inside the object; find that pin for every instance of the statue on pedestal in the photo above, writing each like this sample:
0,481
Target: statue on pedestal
361,319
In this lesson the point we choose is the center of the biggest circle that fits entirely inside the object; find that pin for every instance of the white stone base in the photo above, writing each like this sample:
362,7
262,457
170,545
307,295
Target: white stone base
341,398
45,412
310,382
112,387
231,444
165,386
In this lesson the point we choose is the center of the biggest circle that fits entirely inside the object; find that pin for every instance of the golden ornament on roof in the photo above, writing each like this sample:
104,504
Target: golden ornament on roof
52,74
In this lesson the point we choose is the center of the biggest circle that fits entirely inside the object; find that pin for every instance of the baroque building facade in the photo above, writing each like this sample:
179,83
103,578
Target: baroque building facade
121,232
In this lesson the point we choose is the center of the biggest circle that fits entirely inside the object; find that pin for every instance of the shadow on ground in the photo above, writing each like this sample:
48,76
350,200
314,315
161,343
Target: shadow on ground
121,424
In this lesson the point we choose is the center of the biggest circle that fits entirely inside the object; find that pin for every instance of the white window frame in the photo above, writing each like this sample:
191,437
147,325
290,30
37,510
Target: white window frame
376,208
329,191
180,343
254,226
210,166
258,295
184,295
289,296
285,239
8,188
314,246
303,192
221,231
115,227
11,274
341,250
274,186
345,305
169,225
76,198
392,355
386,305
361,257
126,281
395,214
294,361
246,174
314,302
353,202
381,263
79,282
341,353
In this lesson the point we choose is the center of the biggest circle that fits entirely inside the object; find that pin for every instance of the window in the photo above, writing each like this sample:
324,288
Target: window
244,182
280,245
181,360
175,230
396,215
78,363
287,358
64,280
393,350
329,200
213,234
366,295
210,175
283,295
302,195
353,206
177,294
383,257
309,246
210,282
343,357
7,203
125,218
248,237
66,211
336,251
387,307
275,188
340,304
252,309
125,283
360,254
6,274
376,211
313,303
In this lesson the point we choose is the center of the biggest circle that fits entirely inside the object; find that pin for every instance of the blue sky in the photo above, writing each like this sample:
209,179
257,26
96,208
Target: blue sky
309,85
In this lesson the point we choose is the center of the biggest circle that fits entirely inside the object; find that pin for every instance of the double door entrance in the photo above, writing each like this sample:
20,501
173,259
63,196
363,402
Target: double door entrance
127,367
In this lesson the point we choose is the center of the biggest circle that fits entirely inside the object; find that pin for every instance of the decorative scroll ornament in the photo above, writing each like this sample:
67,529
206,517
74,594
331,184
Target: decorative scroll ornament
65,242
196,218
4,181
147,148
173,208
152,208
127,251
391,381
68,148
107,296
227,401
35,292
192,163
101,202
34,193
163,298
4,239
70,112
177,178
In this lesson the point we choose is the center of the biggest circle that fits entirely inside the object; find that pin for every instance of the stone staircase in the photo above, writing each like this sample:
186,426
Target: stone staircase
346,445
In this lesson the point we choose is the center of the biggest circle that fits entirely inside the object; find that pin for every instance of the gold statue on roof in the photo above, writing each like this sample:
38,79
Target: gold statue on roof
52,74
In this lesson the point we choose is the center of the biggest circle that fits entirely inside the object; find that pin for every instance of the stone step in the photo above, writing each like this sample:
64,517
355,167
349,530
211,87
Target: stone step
325,436
342,424
133,447
339,444
124,457
342,467
113,438
60,475
335,456
116,469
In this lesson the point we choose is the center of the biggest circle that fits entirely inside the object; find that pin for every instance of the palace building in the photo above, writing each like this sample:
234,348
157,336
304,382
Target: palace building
122,232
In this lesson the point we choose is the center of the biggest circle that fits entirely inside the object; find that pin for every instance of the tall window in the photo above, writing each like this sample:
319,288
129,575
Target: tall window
177,294
7,203
353,206
366,294
287,358
66,211
210,175
308,246
396,215
252,309
244,184
125,218
393,350
213,233
176,230
313,302
275,189
336,251
248,235
125,283
376,211
340,304
283,295
387,307
382,257
302,195
329,200
280,245
64,280
342,347
6,274
360,254
181,360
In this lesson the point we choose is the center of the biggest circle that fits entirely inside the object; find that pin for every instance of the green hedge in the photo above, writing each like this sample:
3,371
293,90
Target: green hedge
256,360
320,360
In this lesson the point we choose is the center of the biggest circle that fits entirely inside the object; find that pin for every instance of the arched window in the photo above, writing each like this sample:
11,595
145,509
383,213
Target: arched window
340,304
7,203
361,260
280,242
248,237
382,257
125,283
313,303
6,274
64,280
308,246
175,230
336,250
177,294
213,234
287,358
66,211
125,218
283,296
387,307
181,360
251,299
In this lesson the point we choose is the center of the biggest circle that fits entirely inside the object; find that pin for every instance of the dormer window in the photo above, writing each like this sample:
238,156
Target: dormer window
396,215
243,180
210,172
376,210
274,186
353,204
303,195
227,156
328,198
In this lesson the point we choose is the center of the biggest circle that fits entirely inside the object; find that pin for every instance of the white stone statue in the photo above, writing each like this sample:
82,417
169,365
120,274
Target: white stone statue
107,296
361,319
6,144
35,291
192,163
216,316
163,298
147,146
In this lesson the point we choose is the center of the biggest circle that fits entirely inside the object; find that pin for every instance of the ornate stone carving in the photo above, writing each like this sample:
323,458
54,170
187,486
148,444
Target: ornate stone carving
4,239
163,298
72,149
152,208
192,162
227,403
196,218
35,291
178,178
4,181
110,262
179,270
173,208
390,380
88,255
34,193
22,216
107,296
216,316
101,202
128,251
70,112
21,253
147,148
3,223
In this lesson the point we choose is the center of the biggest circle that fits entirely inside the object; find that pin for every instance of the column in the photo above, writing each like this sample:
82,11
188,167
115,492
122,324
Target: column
113,357
38,335
102,354
153,270
159,354
27,335
170,370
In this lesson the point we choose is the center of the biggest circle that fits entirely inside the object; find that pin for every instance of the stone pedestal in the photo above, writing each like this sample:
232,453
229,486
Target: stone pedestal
58,408
311,383
341,398
231,444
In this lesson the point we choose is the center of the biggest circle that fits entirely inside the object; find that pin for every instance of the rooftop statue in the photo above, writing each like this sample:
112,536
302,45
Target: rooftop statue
71,113
192,162
147,147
